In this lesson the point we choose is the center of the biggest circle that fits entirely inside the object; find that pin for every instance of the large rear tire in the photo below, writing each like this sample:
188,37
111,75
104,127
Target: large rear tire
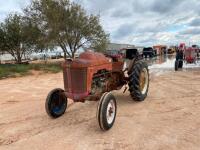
180,64
106,111
176,65
139,81
56,103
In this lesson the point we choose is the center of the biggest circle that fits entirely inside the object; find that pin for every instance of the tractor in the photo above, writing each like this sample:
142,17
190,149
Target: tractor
149,52
187,54
93,76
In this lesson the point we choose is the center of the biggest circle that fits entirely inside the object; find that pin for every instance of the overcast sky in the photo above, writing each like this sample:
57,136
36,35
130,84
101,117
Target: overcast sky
139,22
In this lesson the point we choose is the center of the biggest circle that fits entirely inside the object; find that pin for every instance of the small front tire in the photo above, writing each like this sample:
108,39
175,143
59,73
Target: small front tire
106,112
56,103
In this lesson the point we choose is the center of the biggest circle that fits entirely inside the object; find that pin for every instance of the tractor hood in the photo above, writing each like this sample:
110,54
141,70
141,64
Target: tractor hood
88,59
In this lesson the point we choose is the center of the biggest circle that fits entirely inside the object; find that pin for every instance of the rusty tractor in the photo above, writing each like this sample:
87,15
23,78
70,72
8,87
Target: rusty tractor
185,54
93,77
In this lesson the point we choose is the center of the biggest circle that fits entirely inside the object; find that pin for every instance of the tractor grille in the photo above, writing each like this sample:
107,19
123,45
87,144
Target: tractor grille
75,80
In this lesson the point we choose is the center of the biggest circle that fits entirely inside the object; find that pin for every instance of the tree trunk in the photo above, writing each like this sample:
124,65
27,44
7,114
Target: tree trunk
73,55
19,59
65,51
65,55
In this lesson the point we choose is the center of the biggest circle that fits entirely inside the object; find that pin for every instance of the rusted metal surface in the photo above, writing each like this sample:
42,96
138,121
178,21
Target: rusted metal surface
190,55
88,59
92,74
78,74
117,66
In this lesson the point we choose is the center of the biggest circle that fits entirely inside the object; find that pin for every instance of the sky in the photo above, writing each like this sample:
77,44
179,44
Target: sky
138,22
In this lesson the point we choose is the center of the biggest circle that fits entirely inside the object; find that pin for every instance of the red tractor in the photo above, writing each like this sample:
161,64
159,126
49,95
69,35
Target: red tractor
93,76
187,54
190,55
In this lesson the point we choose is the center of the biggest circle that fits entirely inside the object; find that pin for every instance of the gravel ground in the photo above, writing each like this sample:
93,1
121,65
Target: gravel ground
167,119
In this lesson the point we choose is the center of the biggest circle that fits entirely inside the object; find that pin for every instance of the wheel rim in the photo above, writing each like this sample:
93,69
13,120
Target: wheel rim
57,103
144,79
110,113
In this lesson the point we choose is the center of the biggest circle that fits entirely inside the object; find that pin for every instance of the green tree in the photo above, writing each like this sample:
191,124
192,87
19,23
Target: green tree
19,37
67,25
1,42
101,45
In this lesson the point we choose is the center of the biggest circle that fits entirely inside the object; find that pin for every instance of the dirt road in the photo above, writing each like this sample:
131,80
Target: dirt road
168,119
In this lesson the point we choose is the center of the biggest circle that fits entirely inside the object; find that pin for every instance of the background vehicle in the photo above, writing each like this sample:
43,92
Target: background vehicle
160,49
180,56
187,54
190,55
179,59
114,54
197,50
149,52
171,50
93,76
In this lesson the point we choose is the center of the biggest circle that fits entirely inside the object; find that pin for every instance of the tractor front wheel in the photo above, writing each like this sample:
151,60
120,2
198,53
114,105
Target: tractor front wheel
56,103
139,81
106,112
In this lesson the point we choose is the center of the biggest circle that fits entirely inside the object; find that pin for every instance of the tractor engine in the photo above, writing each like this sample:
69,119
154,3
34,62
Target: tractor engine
105,81
99,83
91,75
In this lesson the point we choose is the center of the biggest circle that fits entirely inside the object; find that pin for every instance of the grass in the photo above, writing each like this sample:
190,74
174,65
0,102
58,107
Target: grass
13,70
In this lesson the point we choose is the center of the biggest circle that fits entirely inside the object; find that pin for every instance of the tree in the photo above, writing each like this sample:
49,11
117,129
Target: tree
101,45
1,42
18,37
66,25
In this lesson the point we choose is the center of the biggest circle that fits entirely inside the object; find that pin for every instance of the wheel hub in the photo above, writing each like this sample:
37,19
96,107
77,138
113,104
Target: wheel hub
110,112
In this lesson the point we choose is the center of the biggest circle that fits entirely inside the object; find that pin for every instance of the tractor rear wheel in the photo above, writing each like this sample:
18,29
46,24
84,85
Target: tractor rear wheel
106,111
56,103
139,81
176,65
180,64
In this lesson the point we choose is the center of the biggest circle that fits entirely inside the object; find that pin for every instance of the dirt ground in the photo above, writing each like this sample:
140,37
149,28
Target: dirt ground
169,119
